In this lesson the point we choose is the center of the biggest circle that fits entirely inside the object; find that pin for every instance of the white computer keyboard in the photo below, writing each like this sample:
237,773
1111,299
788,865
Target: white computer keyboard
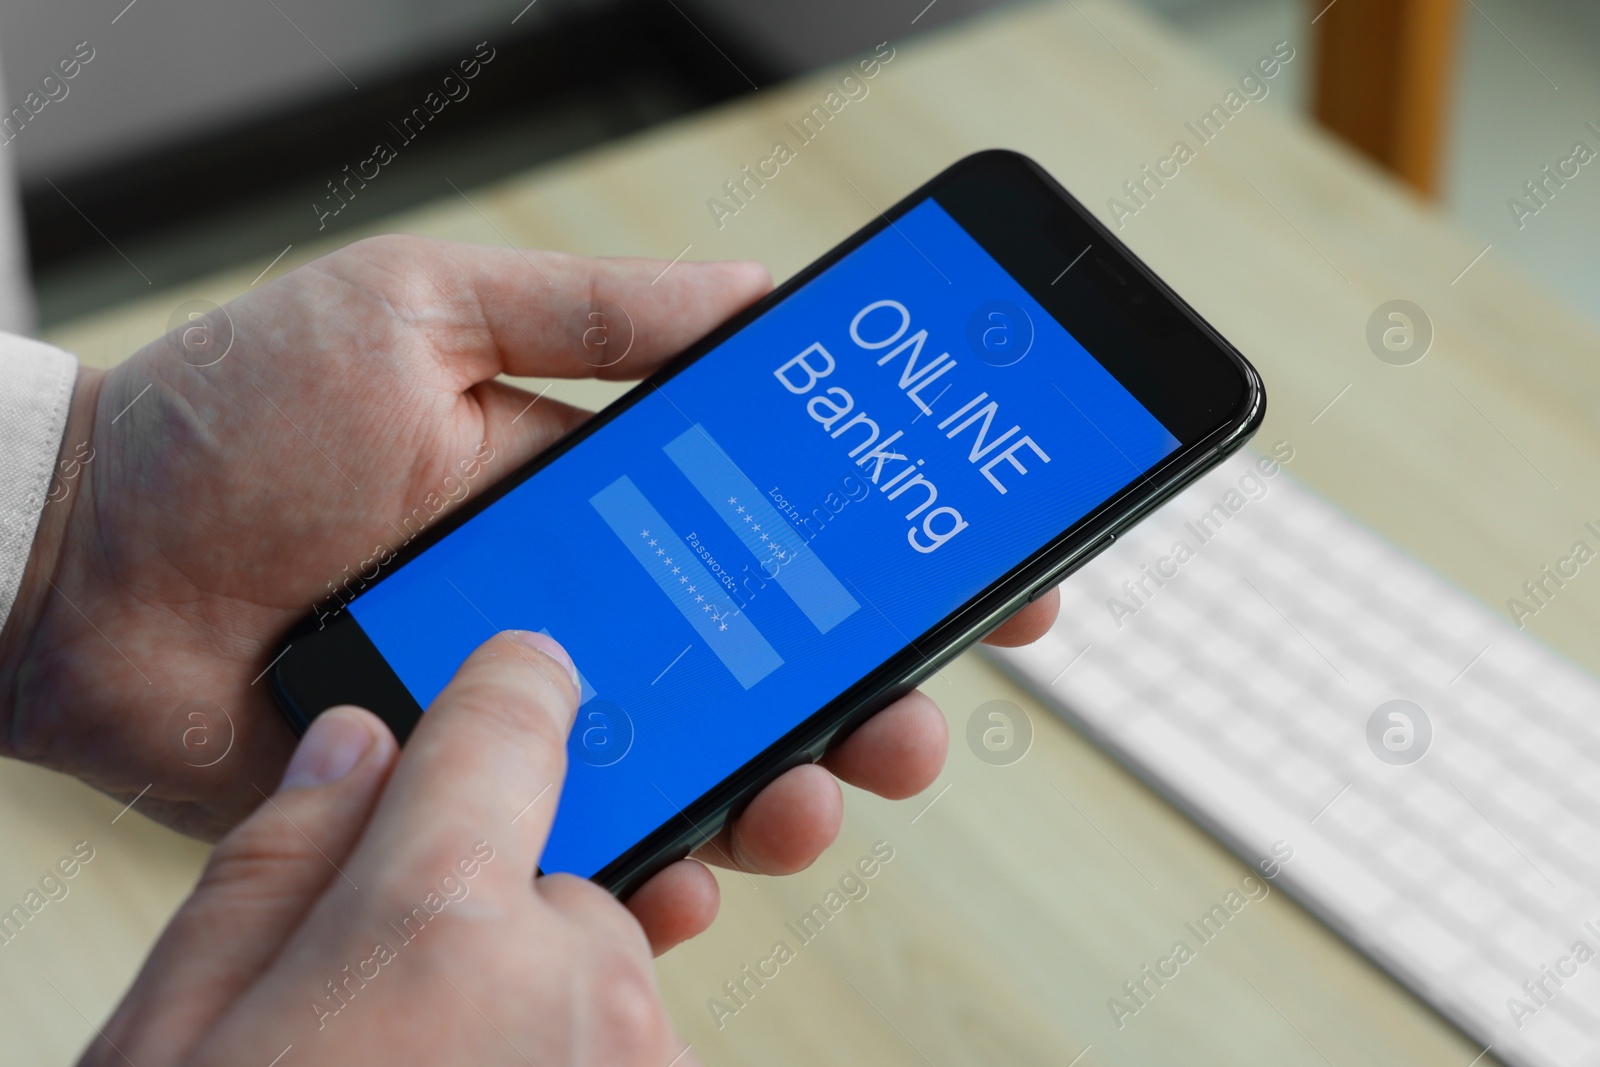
1242,688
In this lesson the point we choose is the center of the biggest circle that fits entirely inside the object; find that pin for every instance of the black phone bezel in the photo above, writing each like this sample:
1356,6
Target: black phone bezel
1180,368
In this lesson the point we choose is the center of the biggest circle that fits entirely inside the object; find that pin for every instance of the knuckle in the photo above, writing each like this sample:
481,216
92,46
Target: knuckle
402,267
432,928
626,1007
255,854
431,863
389,249
408,878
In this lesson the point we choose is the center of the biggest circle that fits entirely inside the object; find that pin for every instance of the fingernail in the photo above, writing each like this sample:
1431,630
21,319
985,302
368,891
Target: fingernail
550,647
335,743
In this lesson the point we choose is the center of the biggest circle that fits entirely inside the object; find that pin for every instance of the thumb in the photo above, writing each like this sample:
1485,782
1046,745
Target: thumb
549,315
258,886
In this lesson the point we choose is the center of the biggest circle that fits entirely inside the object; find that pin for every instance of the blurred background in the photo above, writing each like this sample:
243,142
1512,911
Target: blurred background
207,129
194,153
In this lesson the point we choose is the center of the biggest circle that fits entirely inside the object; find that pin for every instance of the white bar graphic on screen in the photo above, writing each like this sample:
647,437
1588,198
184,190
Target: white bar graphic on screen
781,552
694,591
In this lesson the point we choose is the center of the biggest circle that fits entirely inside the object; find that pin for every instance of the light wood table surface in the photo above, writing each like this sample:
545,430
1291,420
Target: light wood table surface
1007,918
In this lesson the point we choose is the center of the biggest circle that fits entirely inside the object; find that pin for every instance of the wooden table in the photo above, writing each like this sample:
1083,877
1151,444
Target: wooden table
1007,918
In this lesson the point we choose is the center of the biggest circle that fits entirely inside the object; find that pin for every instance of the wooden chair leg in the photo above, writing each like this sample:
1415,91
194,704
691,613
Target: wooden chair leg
1383,80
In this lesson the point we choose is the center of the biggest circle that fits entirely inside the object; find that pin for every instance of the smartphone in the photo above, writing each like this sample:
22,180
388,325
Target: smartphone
804,515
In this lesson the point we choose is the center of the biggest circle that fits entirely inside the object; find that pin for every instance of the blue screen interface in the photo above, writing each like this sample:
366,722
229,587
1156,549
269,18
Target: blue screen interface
757,534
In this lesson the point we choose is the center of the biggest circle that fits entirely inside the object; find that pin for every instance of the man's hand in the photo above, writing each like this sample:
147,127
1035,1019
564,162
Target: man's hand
366,915
244,467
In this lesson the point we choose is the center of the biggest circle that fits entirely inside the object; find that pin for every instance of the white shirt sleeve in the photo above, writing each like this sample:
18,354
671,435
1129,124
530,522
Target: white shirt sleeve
36,383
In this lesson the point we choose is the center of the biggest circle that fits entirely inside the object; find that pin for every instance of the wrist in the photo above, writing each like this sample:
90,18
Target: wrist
69,480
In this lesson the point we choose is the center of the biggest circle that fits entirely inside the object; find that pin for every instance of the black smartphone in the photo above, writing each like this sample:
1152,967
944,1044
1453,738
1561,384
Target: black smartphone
808,512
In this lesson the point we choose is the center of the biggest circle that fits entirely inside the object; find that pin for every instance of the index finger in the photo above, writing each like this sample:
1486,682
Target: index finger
484,765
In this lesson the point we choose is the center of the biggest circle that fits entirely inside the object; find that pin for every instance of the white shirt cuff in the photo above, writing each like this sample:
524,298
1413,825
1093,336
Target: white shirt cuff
36,382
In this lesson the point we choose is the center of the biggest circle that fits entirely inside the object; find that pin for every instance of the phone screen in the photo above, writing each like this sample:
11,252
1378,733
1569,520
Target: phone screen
760,531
